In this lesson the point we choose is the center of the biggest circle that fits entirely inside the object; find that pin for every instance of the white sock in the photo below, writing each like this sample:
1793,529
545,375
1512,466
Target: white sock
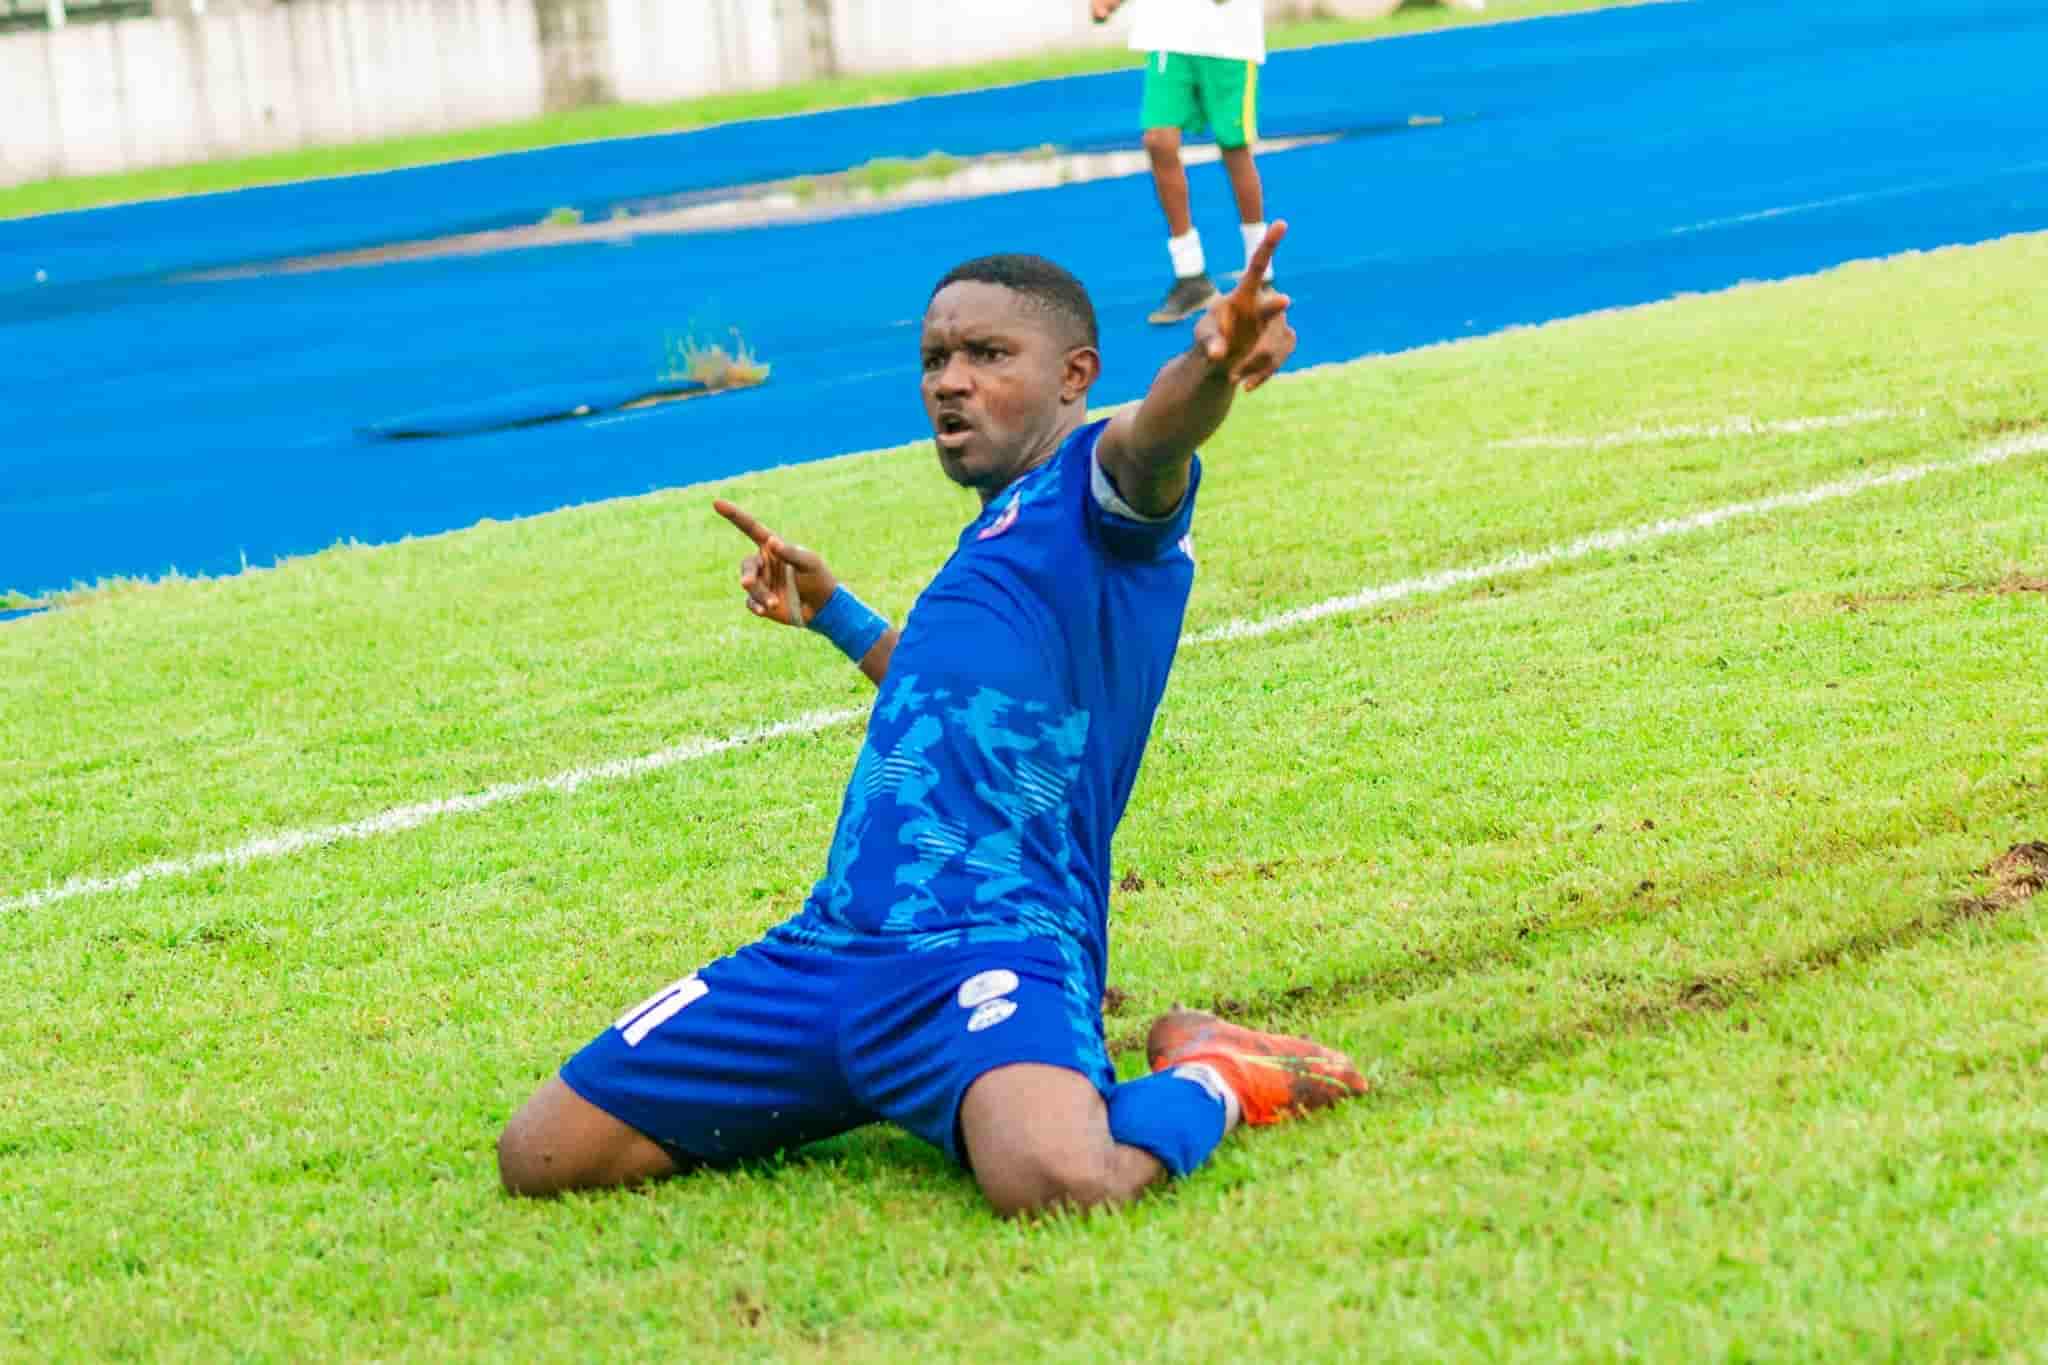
1254,233
1186,251
1211,1080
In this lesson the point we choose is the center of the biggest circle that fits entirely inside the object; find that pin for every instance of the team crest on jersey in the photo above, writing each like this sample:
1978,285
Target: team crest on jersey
1003,522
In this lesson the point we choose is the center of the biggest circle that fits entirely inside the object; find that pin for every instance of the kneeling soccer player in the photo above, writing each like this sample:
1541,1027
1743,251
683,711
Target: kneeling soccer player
947,972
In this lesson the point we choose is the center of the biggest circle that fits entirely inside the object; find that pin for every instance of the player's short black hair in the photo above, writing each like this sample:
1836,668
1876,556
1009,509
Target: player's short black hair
1050,288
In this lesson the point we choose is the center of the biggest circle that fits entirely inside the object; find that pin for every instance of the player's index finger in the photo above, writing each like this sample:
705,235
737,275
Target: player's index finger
1262,258
791,596
746,524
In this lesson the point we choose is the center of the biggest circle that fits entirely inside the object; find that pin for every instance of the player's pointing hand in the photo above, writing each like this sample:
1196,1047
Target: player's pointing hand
1245,332
783,582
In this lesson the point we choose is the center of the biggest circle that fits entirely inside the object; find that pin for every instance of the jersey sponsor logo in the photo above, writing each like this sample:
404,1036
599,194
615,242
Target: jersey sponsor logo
984,986
1003,522
990,1013
658,1008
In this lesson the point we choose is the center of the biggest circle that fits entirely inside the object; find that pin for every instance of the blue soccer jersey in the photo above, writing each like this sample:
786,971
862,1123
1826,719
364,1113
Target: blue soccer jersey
963,915
1005,740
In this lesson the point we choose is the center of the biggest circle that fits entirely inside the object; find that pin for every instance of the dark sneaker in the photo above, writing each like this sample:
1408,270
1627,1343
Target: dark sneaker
1276,1077
1190,295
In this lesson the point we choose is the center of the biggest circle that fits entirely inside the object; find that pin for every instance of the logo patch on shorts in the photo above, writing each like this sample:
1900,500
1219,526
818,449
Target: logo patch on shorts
986,986
990,1013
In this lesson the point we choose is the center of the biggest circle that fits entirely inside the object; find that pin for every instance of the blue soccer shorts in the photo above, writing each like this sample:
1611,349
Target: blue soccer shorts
779,1045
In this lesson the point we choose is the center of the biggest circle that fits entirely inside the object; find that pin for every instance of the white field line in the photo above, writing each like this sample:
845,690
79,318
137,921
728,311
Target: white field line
410,817
1733,426
1524,561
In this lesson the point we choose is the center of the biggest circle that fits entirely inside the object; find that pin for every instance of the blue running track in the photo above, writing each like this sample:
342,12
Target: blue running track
1584,162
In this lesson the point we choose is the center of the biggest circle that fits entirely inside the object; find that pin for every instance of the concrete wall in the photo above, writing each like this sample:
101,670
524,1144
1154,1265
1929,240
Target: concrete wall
878,35
102,97
99,97
673,49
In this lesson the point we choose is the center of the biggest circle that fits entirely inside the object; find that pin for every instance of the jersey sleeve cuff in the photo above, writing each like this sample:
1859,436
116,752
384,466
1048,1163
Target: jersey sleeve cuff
1110,500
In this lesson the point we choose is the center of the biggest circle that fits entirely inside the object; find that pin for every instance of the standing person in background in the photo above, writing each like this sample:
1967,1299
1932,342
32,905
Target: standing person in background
1202,61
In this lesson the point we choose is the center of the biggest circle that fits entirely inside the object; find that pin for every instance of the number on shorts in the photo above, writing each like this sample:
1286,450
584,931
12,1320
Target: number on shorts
658,1008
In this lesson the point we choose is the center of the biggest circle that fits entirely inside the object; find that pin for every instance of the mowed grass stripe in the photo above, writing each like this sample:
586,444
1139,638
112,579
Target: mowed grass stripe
1606,541
147,724
409,816
1833,1151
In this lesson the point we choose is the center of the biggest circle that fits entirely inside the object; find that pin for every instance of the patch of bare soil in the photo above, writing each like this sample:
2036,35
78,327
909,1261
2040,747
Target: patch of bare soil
2016,582
1703,994
2017,875
2006,426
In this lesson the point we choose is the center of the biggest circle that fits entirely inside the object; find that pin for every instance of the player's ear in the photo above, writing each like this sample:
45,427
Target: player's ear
1083,367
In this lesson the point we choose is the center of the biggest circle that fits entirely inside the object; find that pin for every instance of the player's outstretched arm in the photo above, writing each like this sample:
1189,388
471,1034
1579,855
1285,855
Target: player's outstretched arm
791,585
1240,341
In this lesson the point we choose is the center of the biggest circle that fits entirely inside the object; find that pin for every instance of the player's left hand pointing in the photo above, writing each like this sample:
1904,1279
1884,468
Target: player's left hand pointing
1245,332
768,574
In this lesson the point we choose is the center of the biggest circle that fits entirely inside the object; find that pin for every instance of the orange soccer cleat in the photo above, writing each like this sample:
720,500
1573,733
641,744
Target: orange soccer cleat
1275,1076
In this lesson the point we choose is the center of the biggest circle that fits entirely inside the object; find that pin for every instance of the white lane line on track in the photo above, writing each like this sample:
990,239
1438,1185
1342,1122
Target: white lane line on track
1732,426
1860,197
410,817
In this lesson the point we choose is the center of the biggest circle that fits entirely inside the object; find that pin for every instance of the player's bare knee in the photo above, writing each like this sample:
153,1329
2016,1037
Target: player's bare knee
1042,1181
1161,142
534,1151
521,1168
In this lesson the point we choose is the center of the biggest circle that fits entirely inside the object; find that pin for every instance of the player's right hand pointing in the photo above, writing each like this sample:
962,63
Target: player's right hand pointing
1246,332
768,574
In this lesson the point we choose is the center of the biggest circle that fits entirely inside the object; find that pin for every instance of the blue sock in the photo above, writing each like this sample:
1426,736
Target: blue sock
1175,1119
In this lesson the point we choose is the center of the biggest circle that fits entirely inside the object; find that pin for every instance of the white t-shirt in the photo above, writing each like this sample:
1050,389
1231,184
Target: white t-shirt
1202,28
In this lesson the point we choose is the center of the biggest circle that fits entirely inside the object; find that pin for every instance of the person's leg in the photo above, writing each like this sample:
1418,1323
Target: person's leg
1230,99
560,1141
735,1061
1246,187
1042,1137
994,1054
1037,1138
1171,104
1170,183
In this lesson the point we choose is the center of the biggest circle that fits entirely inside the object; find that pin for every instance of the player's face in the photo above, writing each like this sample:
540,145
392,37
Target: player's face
996,381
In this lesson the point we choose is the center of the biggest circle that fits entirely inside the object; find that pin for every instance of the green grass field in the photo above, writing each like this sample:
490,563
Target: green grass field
636,120
1648,885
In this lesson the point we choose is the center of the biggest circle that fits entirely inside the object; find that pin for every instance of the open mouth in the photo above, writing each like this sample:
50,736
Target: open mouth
952,430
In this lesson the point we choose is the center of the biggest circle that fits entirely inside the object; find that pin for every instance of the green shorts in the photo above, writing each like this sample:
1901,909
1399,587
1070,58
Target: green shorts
1219,94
